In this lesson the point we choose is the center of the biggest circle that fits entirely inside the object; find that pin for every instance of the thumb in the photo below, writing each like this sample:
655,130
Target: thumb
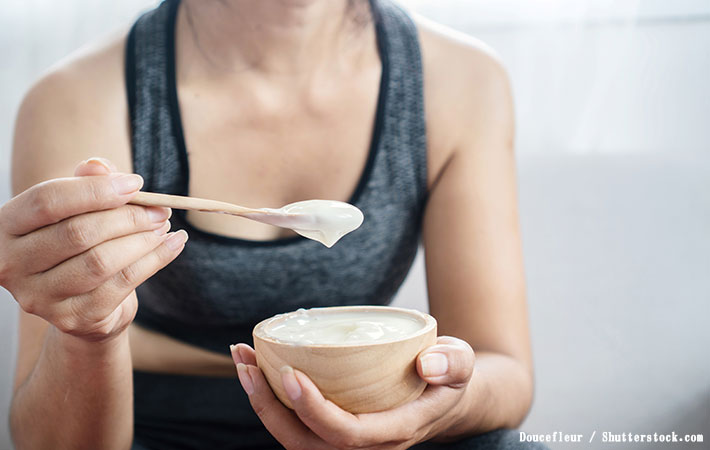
94,167
449,362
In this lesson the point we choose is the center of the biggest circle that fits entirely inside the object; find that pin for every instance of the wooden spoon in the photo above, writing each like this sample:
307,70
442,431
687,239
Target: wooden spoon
325,221
196,204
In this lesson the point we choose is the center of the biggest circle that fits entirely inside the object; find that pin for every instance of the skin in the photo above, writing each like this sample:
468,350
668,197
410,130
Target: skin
262,113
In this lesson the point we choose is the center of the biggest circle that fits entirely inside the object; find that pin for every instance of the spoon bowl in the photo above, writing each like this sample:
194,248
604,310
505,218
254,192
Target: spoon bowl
325,221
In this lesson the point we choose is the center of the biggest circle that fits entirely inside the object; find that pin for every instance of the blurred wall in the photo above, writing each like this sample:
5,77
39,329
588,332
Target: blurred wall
614,166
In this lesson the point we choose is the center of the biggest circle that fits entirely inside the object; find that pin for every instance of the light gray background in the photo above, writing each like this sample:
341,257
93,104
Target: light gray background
613,145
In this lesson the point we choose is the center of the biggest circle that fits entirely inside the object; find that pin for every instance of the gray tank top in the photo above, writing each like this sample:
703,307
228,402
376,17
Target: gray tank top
219,287
214,293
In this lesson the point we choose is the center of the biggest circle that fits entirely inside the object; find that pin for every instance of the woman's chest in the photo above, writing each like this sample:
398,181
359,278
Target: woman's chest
269,147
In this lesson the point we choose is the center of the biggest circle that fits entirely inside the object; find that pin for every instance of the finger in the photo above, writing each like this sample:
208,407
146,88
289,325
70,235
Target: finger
332,423
414,419
55,200
75,235
281,422
94,167
110,294
87,271
450,362
235,355
242,353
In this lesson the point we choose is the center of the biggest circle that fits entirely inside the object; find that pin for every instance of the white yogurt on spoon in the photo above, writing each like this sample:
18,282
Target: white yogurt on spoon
325,221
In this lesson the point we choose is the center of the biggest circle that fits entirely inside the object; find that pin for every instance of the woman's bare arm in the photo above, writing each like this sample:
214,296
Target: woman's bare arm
73,385
471,235
79,394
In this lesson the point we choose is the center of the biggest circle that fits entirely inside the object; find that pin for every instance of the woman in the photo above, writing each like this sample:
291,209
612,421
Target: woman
261,104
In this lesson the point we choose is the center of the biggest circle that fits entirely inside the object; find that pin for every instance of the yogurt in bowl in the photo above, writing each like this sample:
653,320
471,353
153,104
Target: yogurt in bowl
362,358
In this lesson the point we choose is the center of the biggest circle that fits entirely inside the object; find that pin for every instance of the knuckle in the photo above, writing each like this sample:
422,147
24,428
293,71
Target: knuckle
77,234
135,216
127,277
461,363
163,256
150,240
28,305
96,263
97,191
43,203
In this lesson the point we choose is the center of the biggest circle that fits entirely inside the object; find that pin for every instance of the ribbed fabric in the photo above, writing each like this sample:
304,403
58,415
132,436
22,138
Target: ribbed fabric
219,288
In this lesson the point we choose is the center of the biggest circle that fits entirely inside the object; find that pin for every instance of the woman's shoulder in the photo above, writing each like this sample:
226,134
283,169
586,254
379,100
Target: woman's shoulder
82,82
75,110
465,84
453,60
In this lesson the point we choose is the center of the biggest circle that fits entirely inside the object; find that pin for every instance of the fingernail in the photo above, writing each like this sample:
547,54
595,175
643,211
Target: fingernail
99,161
434,364
126,184
244,378
176,240
291,386
158,215
164,228
235,353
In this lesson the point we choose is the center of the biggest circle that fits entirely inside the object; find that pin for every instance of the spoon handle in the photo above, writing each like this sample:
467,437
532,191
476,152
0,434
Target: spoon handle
181,202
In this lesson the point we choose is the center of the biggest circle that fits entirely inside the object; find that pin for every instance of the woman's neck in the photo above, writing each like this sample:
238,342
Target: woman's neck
272,36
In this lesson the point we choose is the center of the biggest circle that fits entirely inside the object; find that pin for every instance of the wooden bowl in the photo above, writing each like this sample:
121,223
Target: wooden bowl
359,378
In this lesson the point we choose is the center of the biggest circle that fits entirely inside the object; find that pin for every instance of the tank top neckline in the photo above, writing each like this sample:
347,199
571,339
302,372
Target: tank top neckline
176,118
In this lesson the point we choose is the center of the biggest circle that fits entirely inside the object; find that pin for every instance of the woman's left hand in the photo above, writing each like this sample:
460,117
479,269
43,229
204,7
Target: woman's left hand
317,423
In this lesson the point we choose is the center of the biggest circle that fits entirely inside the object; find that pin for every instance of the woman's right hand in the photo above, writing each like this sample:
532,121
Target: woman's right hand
72,250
